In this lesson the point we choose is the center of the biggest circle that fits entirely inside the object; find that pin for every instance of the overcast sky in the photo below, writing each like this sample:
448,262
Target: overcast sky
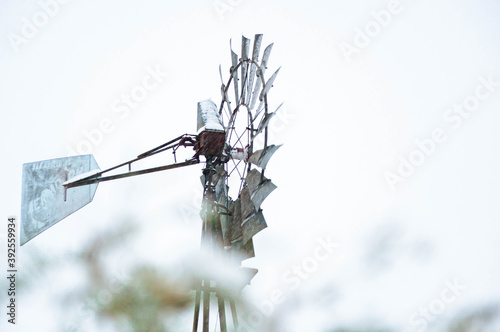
389,128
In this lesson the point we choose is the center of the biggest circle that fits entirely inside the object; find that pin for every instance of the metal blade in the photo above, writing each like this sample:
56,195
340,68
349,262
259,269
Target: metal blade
261,157
245,50
264,189
249,274
44,200
234,229
253,179
266,119
226,222
248,249
221,191
234,62
269,84
220,172
259,109
247,206
255,57
263,67
259,187
223,91
252,226
220,74
240,252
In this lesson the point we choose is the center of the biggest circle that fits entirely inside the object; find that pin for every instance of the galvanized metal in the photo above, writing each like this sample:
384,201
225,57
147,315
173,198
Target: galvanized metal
240,252
45,201
234,228
249,273
258,83
247,206
253,66
208,116
261,157
269,83
261,193
252,225
234,73
245,52
253,179
259,187
265,120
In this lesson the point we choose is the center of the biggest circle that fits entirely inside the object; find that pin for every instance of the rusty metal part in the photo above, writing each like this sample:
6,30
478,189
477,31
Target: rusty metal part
211,143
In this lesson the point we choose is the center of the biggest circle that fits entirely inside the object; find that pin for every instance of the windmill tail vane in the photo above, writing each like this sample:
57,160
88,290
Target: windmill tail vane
233,187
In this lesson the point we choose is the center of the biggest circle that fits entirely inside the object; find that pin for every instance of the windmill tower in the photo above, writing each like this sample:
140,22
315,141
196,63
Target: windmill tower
232,142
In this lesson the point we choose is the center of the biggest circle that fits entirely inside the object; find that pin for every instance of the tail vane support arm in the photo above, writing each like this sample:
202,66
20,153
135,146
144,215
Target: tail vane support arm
185,140
96,178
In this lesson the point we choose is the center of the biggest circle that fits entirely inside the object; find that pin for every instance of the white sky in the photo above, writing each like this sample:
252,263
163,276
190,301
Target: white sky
344,124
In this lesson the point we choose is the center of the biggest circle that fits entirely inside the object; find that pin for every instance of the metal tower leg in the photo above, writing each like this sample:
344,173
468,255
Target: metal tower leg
206,306
196,310
222,313
233,312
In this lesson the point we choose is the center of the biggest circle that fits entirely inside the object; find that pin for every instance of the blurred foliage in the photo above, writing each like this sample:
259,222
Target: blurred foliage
360,330
478,320
151,300
144,301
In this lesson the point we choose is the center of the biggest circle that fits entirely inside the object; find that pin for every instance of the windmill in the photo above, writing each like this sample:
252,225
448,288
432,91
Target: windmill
232,142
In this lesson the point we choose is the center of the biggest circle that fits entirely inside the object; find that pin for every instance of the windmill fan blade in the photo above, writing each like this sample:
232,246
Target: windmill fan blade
226,223
44,200
253,225
221,191
234,223
247,206
263,67
220,74
269,83
264,189
255,57
248,249
249,274
253,179
261,157
245,50
266,119
259,109
259,187
220,173
241,252
234,63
